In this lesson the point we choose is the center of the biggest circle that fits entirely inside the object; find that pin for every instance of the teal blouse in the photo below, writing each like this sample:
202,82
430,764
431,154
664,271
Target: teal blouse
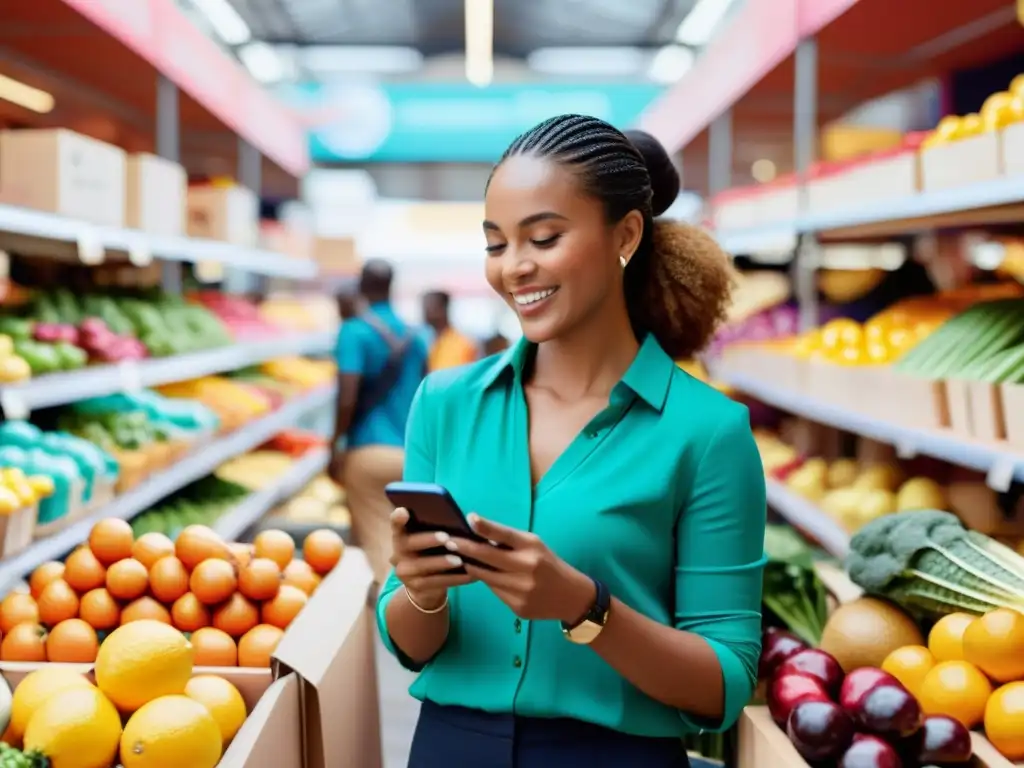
661,496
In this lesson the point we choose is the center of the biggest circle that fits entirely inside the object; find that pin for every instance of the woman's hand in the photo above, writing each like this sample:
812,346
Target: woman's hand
425,577
528,577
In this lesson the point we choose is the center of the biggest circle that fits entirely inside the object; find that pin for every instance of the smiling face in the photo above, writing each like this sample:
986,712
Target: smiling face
551,253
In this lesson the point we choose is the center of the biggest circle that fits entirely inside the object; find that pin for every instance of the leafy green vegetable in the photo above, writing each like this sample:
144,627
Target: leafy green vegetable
927,562
792,590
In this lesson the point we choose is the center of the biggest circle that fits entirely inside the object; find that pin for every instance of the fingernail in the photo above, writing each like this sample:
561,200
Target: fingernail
452,559
474,518
452,545
442,536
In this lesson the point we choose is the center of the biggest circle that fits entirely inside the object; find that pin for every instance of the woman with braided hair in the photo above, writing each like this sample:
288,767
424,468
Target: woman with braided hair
614,604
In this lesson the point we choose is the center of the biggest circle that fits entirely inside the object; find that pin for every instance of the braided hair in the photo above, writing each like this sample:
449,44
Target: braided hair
678,282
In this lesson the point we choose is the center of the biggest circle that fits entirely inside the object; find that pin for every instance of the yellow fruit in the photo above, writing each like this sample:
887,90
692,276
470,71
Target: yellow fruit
946,640
920,493
956,689
76,728
36,689
910,665
222,700
171,732
9,501
1004,720
142,661
994,643
42,485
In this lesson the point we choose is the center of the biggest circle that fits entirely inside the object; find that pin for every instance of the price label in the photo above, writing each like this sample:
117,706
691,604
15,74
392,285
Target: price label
1000,476
14,406
90,247
131,376
139,254
209,271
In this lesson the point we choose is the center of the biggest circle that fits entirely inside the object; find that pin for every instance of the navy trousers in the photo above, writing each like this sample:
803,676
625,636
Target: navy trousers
456,737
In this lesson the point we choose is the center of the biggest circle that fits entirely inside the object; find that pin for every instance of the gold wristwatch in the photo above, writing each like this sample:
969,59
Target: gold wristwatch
586,630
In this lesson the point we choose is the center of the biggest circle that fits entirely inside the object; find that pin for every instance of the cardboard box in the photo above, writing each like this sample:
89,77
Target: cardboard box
986,405
155,193
959,405
230,214
1013,413
762,744
331,648
967,161
894,176
1013,149
64,172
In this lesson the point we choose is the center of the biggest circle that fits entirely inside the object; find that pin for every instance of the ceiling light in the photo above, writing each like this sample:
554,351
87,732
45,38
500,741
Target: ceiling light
587,61
702,22
263,62
763,170
361,58
670,64
25,95
479,42
227,23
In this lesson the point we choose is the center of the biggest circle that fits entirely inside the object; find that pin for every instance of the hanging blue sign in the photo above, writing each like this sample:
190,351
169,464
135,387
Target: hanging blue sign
446,122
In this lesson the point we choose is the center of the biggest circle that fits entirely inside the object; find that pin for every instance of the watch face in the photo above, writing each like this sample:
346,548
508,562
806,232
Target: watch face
585,632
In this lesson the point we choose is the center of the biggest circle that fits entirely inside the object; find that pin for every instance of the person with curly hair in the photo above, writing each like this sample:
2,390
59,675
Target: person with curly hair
613,602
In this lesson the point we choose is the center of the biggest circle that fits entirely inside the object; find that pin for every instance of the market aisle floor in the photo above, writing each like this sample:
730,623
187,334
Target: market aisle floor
398,709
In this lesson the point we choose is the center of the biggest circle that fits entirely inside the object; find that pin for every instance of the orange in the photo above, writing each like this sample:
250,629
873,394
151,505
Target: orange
150,547
276,545
127,579
111,540
72,642
168,579
322,550
213,648
145,608
283,609
237,616
197,543
99,608
909,665
1004,720
222,700
188,614
300,574
24,642
946,640
994,643
43,575
957,689
83,571
57,603
17,608
258,645
213,581
259,579
242,553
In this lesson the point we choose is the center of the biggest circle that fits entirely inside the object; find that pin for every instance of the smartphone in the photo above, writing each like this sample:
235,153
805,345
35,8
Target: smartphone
431,508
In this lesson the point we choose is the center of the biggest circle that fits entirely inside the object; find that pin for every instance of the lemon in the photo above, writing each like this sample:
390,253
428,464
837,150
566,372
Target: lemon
171,732
994,643
36,689
76,728
9,501
141,661
222,700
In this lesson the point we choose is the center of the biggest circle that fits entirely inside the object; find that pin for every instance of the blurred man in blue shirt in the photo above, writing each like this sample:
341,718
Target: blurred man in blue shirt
381,362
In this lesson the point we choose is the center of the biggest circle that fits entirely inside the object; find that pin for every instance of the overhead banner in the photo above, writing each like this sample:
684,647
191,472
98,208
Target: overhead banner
446,122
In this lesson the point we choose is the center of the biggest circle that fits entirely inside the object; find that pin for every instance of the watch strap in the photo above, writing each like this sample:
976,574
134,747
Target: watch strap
598,611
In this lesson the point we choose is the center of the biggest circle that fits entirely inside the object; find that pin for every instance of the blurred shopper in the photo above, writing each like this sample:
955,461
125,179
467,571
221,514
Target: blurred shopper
450,348
621,607
350,303
381,362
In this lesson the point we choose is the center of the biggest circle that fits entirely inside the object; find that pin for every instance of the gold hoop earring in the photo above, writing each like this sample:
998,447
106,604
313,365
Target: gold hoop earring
623,262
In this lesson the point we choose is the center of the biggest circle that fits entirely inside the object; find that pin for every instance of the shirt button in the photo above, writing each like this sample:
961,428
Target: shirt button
517,662
519,625
591,435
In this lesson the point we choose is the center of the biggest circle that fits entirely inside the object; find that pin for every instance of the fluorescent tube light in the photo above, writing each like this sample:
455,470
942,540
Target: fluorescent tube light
479,42
227,23
360,58
702,22
25,96
670,64
587,61
263,62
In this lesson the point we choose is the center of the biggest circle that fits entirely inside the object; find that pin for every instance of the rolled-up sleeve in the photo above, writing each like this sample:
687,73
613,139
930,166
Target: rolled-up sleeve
420,450
720,561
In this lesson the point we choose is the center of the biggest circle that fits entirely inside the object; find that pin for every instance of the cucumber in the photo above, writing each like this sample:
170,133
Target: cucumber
1004,329
999,366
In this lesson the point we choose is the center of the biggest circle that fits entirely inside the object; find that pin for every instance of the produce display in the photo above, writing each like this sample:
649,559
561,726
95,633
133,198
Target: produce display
1001,109
256,470
234,599
321,502
200,503
296,442
241,316
144,705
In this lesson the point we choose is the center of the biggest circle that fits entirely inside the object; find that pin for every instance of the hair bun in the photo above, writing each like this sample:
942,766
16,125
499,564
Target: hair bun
665,183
